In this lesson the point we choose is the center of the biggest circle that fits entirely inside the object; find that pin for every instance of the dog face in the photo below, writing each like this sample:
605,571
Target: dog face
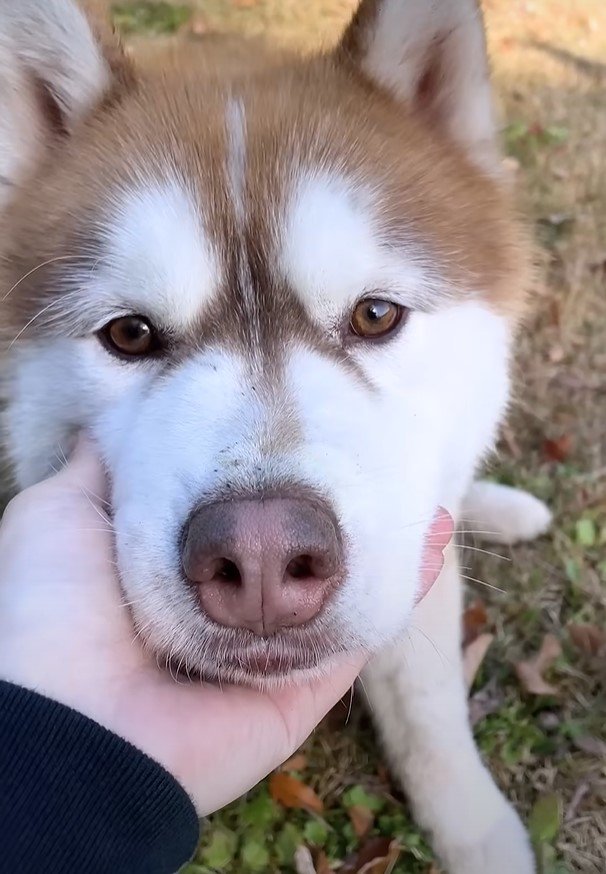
281,301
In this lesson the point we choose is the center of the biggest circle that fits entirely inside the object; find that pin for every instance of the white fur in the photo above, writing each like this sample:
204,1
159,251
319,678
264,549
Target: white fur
507,515
409,36
235,122
158,259
418,700
51,40
336,219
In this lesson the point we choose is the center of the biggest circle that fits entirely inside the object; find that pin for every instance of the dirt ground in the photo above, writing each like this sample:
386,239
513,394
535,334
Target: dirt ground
547,750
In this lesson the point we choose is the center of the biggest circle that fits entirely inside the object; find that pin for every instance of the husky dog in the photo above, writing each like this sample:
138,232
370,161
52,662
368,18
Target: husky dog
281,293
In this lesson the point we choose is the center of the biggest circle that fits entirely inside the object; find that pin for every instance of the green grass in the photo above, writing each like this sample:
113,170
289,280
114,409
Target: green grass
150,17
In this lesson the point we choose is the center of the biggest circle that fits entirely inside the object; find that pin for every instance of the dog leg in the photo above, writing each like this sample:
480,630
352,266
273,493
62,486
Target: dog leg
505,514
418,698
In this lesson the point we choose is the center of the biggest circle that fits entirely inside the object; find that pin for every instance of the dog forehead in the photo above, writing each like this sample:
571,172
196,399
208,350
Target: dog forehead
158,253
255,235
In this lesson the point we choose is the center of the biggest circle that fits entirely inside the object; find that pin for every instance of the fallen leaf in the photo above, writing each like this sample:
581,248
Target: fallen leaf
362,819
245,4
530,673
583,789
485,701
298,762
475,620
291,792
384,776
375,856
322,864
544,820
304,863
593,746
473,656
590,639
558,449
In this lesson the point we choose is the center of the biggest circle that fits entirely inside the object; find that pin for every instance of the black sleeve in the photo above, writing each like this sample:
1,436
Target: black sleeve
74,797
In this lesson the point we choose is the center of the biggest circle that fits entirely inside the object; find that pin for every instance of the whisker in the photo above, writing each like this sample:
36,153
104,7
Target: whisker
484,551
41,312
97,510
34,269
484,583
444,659
349,709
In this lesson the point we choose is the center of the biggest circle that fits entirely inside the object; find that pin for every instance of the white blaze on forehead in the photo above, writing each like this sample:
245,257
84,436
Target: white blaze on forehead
235,123
157,258
332,252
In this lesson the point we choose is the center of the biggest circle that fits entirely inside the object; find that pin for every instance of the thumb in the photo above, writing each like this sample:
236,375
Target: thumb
84,471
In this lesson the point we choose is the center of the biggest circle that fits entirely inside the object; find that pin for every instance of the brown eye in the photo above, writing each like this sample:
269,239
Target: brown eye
374,318
131,336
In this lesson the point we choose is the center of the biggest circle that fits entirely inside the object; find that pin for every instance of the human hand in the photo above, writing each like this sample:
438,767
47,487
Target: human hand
65,632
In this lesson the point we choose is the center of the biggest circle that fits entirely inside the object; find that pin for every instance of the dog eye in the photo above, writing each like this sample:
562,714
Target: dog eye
131,336
374,318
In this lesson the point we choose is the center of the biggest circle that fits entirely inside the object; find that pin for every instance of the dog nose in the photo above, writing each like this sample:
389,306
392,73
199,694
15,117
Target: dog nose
263,564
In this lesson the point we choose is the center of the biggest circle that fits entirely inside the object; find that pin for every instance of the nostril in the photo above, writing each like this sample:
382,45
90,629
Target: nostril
227,571
309,567
300,567
215,570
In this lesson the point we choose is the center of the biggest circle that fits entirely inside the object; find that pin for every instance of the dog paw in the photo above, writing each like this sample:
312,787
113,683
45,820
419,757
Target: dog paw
505,849
501,514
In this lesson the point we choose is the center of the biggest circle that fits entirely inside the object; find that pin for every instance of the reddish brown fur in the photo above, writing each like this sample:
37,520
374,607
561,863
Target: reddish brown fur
317,111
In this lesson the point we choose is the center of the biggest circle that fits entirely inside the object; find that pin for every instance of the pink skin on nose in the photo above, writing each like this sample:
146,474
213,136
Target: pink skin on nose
264,564
271,564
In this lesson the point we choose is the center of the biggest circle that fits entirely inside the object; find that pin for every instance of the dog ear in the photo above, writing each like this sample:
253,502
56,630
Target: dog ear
53,71
430,55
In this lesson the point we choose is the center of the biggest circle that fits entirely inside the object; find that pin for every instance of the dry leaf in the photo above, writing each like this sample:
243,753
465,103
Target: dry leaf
485,701
558,450
298,762
590,639
473,656
593,746
245,4
362,819
475,620
291,792
375,856
322,863
383,864
304,863
530,673
384,776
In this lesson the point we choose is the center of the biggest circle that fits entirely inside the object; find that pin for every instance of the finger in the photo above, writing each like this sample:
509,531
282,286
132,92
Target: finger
233,737
84,471
303,707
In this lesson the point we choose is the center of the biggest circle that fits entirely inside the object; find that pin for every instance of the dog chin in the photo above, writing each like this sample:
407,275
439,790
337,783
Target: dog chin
261,663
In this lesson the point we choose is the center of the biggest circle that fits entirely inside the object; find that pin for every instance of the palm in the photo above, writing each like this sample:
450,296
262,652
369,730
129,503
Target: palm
66,632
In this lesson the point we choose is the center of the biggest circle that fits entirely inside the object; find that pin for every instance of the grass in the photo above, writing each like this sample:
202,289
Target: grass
548,60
